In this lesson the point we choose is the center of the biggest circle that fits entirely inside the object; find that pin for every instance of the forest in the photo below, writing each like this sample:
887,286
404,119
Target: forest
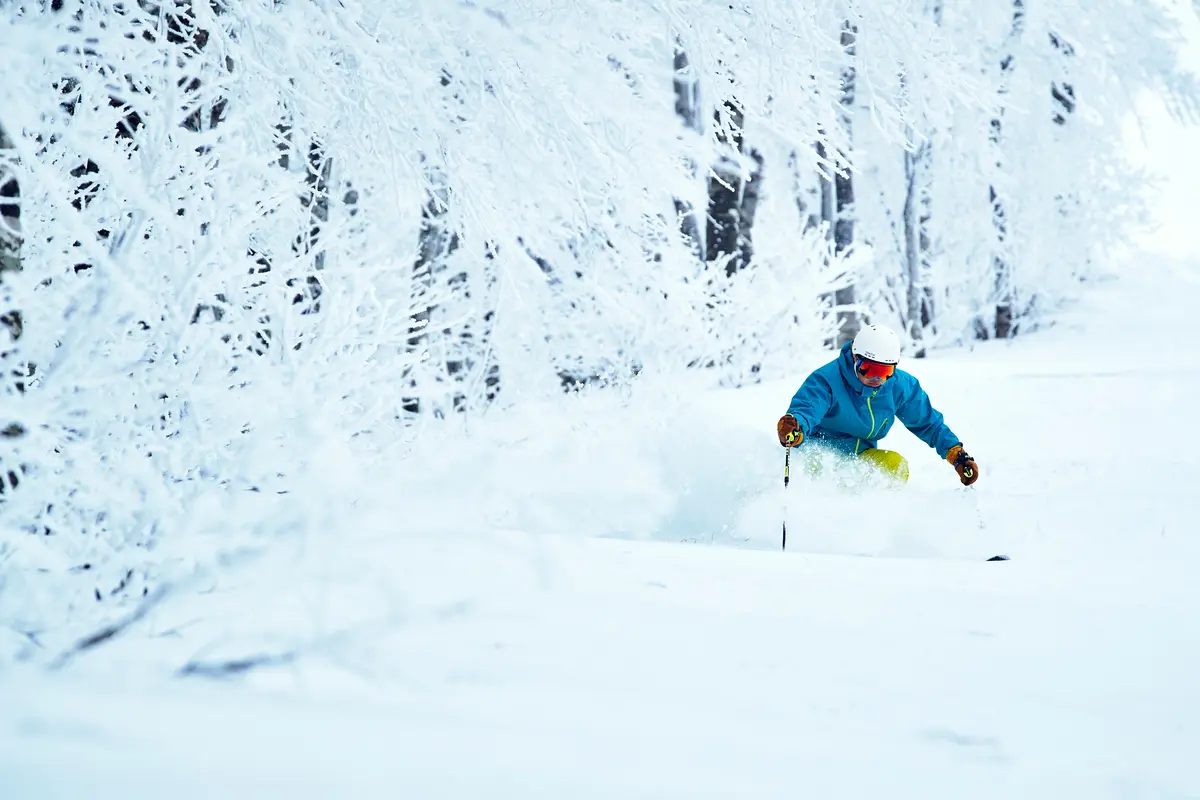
244,240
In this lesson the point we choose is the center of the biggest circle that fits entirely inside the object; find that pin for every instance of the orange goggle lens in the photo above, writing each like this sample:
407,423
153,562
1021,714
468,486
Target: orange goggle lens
873,369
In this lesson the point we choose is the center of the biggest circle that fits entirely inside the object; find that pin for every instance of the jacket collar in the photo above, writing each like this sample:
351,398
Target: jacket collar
846,368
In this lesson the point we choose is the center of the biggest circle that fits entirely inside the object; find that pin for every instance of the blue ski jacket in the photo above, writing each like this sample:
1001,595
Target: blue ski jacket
836,410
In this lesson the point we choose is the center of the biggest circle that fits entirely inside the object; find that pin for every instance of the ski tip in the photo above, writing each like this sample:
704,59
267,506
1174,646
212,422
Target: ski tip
999,558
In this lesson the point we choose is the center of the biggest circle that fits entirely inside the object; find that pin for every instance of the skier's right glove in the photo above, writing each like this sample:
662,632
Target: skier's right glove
790,434
964,465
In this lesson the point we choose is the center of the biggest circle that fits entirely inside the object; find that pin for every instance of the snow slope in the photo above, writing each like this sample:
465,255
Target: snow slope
665,671
545,648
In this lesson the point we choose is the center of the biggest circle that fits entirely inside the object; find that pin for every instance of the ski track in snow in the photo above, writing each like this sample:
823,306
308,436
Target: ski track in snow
538,643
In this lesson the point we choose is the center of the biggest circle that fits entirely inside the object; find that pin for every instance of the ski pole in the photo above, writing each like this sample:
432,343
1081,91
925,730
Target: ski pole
975,504
979,519
787,458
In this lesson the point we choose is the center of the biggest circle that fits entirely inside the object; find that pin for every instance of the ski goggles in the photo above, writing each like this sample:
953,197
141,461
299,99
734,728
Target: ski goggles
873,369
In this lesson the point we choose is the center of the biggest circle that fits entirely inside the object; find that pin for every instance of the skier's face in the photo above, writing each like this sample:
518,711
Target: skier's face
872,373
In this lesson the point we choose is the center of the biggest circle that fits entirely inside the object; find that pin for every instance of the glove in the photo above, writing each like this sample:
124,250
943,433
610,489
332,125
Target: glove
790,434
964,465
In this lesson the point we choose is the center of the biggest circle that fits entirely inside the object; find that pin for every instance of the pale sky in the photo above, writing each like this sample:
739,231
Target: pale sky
1172,149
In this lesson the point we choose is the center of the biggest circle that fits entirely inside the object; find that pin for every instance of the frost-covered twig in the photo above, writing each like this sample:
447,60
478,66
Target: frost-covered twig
112,630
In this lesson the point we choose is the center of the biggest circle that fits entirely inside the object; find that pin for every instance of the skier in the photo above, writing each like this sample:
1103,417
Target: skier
849,404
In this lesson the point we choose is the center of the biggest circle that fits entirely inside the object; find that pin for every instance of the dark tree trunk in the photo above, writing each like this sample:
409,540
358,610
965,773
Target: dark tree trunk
10,208
828,218
828,195
928,311
436,243
1005,322
453,354
687,106
914,243
918,211
15,373
732,196
1062,92
925,199
843,186
310,243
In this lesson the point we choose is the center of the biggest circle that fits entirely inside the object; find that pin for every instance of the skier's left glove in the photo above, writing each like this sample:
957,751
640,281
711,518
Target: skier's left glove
789,431
964,465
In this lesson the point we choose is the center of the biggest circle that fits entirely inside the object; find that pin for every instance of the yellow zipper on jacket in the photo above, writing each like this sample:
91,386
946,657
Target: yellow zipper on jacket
871,411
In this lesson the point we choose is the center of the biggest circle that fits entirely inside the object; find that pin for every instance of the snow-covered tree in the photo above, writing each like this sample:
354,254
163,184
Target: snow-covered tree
1037,158
10,208
15,373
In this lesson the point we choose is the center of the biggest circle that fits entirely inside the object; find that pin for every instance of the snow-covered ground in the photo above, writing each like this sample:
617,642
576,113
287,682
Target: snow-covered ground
591,602
534,652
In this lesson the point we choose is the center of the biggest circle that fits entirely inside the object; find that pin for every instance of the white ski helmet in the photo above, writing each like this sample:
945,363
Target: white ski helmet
877,343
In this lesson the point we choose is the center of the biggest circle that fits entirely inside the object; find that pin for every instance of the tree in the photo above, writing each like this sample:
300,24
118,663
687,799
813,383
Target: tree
1062,90
915,218
687,107
843,183
10,208
915,215
1003,326
15,373
836,181
733,189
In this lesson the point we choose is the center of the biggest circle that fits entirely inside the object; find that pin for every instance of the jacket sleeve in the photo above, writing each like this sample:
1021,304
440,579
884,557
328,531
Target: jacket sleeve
925,421
811,402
